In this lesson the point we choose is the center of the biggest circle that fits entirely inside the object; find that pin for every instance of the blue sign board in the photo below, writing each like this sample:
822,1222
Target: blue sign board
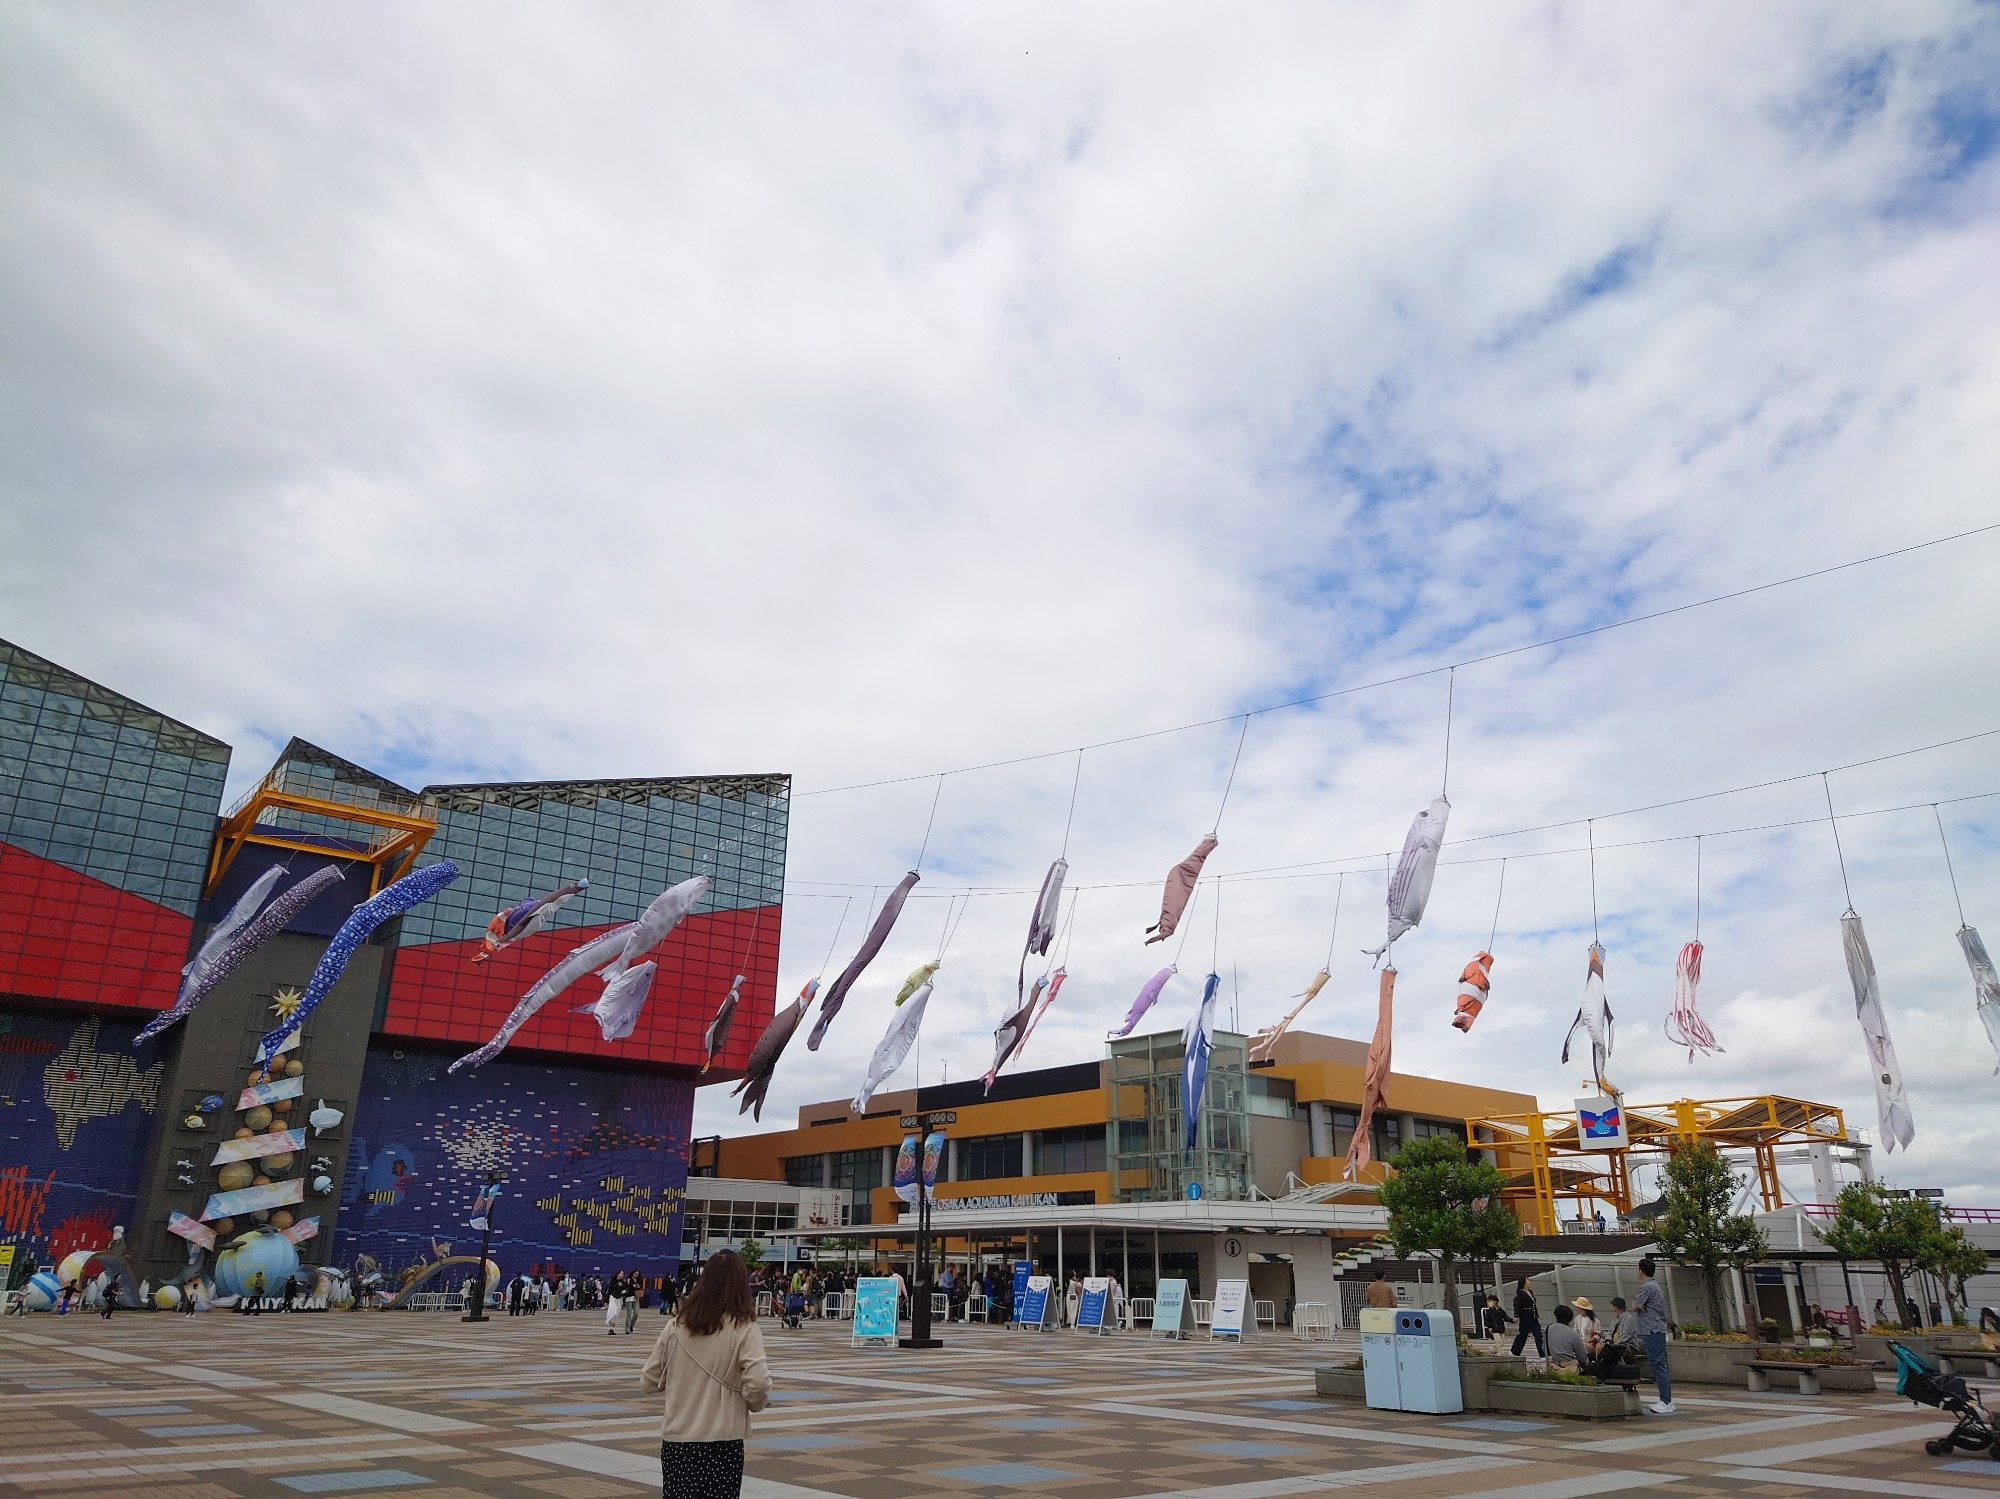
1194,1191
1022,1270
1034,1303
1090,1310
875,1307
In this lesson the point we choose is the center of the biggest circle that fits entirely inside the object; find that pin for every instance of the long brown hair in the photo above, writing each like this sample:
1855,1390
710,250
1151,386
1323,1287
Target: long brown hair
722,1293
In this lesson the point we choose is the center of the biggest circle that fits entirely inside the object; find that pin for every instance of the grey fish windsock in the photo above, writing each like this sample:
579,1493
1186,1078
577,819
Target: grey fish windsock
1410,885
1010,1033
234,938
836,996
656,922
1042,924
1593,1017
717,1035
593,955
617,1008
756,1079
894,1047
1985,984
1180,890
1892,1105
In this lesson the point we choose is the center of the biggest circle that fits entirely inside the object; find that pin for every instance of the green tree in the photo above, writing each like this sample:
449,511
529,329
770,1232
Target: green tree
1898,1233
751,1253
1698,1227
1954,1260
1444,1201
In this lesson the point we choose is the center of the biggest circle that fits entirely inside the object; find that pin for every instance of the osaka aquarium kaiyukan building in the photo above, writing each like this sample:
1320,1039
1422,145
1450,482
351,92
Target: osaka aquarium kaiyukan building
127,888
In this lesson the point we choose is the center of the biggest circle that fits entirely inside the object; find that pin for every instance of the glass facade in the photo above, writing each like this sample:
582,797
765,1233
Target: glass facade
1152,1163
107,815
988,1157
857,1173
631,840
1060,1152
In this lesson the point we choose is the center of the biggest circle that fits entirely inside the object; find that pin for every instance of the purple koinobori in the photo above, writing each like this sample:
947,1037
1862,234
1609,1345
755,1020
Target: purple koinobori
236,936
385,905
1148,992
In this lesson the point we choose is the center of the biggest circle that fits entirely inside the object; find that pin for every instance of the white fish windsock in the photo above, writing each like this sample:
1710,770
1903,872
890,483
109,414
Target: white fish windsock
617,1008
763,1062
1196,1042
1055,983
1148,992
836,995
894,1047
524,919
1593,1017
1985,983
1265,1042
656,922
593,955
1892,1105
1042,924
1375,1076
717,1035
1474,984
1410,885
1685,1027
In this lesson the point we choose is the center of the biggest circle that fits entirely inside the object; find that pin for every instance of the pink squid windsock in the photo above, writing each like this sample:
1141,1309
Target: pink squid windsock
763,1062
1375,1078
1593,1016
1148,992
1474,984
1684,1026
1179,891
836,996
1410,885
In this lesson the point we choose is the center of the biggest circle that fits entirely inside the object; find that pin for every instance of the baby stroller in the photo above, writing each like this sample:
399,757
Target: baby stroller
795,1308
1924,1385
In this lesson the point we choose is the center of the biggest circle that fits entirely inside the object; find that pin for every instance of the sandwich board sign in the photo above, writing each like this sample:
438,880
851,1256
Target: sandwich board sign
874,1310
1090,1311
1034,1307
1170,1309
1232,1299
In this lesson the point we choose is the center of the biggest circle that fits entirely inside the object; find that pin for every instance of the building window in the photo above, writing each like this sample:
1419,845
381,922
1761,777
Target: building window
1433,1128
1062,1151
857,1173
804,1170
1273,1097
991,1156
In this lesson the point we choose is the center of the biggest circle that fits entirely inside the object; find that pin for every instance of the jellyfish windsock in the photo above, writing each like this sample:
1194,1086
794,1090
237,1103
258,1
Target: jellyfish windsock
217,960
1473,986
524,919
917,979
894,1047
1685,1027
593,955
1148,992
717,1035
1410,885
1180,890
836,996
1055,983
763,1062
1375,1077
617,1008
1265,1042
1985,983
1892,1105
1196,1041
668,910
1593,1017
1042,924
385,905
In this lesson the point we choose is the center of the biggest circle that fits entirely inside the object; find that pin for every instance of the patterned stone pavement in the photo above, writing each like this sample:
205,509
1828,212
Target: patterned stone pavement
409,1403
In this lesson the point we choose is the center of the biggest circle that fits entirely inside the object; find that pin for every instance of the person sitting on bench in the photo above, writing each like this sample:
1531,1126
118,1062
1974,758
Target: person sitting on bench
1566,1351
1619,1360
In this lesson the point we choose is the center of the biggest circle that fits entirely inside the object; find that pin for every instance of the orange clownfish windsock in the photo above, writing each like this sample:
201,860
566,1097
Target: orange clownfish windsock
1473,985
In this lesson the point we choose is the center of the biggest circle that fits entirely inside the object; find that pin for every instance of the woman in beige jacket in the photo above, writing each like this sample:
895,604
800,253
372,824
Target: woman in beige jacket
710,1362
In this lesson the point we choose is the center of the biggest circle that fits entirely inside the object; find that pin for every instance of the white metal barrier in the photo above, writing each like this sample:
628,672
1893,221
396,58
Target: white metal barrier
1138,1309
763,1307
1266,1313
940,1306
977,1306
1204,1313
1312,1320
833,1306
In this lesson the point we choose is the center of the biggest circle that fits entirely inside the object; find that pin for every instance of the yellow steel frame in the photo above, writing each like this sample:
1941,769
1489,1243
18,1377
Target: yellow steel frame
392,839
1546,1163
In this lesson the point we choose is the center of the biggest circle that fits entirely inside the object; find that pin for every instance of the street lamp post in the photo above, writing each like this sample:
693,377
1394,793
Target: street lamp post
478,1311
920,1286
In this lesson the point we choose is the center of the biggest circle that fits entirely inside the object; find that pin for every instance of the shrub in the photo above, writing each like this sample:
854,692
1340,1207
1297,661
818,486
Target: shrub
1543,1376
1789,1355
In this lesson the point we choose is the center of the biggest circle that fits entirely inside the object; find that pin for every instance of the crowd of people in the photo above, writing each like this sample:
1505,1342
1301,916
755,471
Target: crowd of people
1578,1342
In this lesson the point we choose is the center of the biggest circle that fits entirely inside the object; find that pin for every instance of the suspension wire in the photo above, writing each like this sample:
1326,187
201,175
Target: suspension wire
1215,950
1947,865
1226,785
944,935
1838,851
1340,886
1075,782
1590,832
964,906
1063,938
1450,692
836,934
1187,925
1493,935
929,820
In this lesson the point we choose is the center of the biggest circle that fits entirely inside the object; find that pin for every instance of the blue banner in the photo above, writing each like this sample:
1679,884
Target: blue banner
875,1307
1022,1270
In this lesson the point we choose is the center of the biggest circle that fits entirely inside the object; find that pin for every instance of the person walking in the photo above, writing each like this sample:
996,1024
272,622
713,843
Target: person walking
1494,1319
635,1297
1380,1292
710,1363
1649,1309
1528,1320
253,1295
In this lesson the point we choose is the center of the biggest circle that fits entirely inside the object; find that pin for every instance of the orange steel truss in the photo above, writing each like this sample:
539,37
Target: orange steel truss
295,812
1545,1163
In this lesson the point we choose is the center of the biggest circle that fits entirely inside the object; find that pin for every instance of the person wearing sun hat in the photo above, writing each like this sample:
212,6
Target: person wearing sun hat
1586,1326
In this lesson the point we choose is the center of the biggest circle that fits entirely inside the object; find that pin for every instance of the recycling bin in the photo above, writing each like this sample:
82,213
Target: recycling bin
1426,1349
1381,1380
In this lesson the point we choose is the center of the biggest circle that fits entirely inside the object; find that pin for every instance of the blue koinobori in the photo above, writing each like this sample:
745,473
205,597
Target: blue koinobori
1194,1062
407,893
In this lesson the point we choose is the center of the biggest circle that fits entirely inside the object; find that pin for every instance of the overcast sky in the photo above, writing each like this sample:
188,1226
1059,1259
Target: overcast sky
506,391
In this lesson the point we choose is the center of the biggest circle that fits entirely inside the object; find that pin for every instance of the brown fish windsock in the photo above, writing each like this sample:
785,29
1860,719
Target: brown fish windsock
870,945
1180,890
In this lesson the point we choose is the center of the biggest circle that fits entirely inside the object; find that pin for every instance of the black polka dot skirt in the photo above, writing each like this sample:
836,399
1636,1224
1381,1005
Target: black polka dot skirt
701,1470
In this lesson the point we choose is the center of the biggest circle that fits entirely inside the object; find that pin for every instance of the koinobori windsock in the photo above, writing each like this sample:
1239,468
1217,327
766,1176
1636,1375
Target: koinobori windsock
770,1046
1375,1076
1180,890
894,1047
1196,1044
1684,1025
1148,992
617,1008
1593,1017
1410,885
524,919
885,921
1985,984
588,958
717,1035
1042,923
1892,1105
1474,984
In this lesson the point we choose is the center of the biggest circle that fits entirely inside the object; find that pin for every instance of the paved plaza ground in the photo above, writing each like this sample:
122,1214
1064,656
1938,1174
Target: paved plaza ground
216,1406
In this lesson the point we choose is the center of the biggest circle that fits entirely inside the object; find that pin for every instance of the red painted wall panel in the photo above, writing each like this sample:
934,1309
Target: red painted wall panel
66,936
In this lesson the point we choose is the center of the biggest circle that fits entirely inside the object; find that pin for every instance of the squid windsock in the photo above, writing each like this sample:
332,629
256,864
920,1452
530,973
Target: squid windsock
385,905
1055,983
717,1035
1892,1106
1042,925
756,1079
668,910
1410,885
1685,1027
593,955
1012,1031
1985,982
894,1046
1594,1017
1180,890
1265,1042
1375,1078
1148,992
1473,986
870,945
917,979
237,936
1196,1041
525,918
617,1008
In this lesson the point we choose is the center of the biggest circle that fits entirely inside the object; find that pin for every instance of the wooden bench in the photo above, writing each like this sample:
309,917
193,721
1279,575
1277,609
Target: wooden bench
1761,1371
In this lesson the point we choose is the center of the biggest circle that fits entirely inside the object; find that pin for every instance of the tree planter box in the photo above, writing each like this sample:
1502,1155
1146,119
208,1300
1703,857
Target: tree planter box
1709,1363
1475,1377
1581,1402
1873,1348
1344,1384
1850,1378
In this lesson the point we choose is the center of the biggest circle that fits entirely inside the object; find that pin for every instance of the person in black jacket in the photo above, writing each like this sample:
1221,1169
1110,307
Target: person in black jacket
1528,1317
1494,1318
